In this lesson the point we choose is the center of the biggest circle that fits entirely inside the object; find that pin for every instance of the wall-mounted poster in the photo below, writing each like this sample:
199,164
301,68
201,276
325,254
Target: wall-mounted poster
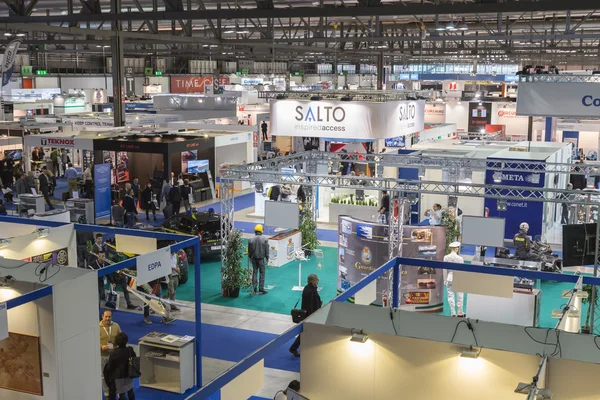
21,364
363,247
479,115
190,155
421,288
122,167
60,257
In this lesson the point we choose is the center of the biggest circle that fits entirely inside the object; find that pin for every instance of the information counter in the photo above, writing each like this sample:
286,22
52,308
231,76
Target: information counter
283,246
524,306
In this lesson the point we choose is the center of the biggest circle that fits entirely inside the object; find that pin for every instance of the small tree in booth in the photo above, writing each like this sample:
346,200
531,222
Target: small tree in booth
452,226
308,229
233,275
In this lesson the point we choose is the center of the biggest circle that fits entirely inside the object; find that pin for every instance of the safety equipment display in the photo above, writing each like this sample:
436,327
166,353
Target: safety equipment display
524,226
259,228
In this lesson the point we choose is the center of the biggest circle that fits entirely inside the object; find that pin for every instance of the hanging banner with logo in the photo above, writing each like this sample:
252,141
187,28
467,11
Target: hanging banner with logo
362,248
154,265
102,193
57,257
435,113
191,84
559,99
3,321
9,59
422,288
341,120
517,211
479,116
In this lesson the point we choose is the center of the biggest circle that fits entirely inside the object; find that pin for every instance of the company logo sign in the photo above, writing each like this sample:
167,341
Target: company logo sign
190,84
507,113
435,110
590,101
533,178
452,86
325,117
153,265
58,142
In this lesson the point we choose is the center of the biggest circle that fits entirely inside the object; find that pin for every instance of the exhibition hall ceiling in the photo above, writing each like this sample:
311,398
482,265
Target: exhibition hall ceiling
542,32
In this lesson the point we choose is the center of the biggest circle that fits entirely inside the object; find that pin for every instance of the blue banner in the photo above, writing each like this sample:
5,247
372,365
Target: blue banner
517,211
6,76
102,193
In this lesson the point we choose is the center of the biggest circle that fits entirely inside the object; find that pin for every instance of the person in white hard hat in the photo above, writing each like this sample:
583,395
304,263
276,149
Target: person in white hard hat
522,242
453,257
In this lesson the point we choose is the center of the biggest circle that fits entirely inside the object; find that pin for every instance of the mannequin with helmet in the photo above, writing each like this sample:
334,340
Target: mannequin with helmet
258,250
522,242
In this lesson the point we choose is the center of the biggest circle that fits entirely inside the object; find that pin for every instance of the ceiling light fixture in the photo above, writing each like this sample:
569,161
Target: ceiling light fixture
229,31
42,232
439,28
7,34
21,34
359,336
451,26
462,26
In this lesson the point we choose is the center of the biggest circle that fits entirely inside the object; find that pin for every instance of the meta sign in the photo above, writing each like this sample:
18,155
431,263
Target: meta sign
154,265
560,99
343,120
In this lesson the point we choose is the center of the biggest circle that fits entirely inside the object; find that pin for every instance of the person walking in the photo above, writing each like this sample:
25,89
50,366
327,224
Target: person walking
54,159
175,197
116,370
384,208
88,181
130,209
565,206
186,193
311,302
148,201
263,128
45,185
137,191
108,333
64,160
258,250
118,214
30,181
453,257
173,280
71,175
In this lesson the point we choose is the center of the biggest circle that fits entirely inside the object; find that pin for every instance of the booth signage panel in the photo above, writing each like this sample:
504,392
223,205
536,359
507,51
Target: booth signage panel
252,81
480,114
341,120
102,193
3,321
517,211
152,266
577,126
559,99
190,84
34,94
88,122
60,142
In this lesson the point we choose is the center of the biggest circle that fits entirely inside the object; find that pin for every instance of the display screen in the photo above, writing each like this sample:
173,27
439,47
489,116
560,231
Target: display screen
15,155
395,142
579,244
196,166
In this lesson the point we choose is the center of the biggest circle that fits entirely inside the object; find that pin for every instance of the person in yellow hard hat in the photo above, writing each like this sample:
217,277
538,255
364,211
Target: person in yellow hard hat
258,250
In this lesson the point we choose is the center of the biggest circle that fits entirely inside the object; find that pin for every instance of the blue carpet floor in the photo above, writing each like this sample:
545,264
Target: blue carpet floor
220,342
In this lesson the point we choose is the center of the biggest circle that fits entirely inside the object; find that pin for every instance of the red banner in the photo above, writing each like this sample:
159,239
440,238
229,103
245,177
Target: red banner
223,80
190,84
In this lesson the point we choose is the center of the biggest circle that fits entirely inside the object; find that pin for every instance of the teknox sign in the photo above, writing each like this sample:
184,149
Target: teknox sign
345,120
575,100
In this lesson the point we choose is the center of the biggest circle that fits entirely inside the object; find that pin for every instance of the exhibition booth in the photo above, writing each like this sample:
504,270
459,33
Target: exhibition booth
195,106
99,120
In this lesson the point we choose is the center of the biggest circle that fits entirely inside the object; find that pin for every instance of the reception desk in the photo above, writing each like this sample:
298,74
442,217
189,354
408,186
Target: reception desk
283,246
522,309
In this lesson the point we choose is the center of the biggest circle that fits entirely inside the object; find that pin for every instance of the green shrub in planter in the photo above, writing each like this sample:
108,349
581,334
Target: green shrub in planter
233,275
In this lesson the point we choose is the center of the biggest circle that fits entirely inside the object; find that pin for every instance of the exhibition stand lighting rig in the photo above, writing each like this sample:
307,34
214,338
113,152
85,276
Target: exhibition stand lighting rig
312,169
349,95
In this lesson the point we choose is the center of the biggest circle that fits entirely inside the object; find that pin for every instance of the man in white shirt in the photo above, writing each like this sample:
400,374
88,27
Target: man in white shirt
453,257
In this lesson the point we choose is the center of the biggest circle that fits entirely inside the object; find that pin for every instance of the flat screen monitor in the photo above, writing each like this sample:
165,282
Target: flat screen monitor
395,142
282,214
481,231
579,244
197,166
15,155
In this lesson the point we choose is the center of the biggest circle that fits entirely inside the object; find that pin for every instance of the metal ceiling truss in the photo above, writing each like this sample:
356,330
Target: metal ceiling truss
269,171
355,95
560,78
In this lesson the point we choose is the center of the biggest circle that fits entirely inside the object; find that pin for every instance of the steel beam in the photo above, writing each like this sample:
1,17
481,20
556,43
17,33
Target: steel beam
402,9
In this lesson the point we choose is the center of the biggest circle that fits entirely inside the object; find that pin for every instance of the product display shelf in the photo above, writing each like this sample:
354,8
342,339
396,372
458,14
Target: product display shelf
166,366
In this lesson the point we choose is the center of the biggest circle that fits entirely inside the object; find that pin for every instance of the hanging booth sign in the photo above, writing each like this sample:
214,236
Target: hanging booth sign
190,84
252,81
559,99
154,265
60,142
479,116
340,120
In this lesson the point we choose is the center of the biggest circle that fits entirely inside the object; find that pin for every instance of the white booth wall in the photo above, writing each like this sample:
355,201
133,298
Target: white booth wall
417,368
504,113
458,113
29,245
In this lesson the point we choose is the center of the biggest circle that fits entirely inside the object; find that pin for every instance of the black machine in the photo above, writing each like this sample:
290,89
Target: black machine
540,251
205,224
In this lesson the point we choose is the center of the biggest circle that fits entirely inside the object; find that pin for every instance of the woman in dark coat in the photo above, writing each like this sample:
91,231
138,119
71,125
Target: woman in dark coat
116,370
147,201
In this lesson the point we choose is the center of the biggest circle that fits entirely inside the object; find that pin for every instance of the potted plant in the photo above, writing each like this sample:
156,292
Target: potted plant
452,226
308,230
588,289
233,275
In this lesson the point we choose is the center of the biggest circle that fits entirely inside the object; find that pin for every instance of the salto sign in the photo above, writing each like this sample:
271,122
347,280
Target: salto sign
323,114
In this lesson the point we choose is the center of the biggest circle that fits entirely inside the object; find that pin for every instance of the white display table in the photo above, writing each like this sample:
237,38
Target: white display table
283,246
166,366
33,201
523,309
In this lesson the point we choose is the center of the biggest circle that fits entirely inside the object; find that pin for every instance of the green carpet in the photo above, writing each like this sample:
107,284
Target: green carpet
281,299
